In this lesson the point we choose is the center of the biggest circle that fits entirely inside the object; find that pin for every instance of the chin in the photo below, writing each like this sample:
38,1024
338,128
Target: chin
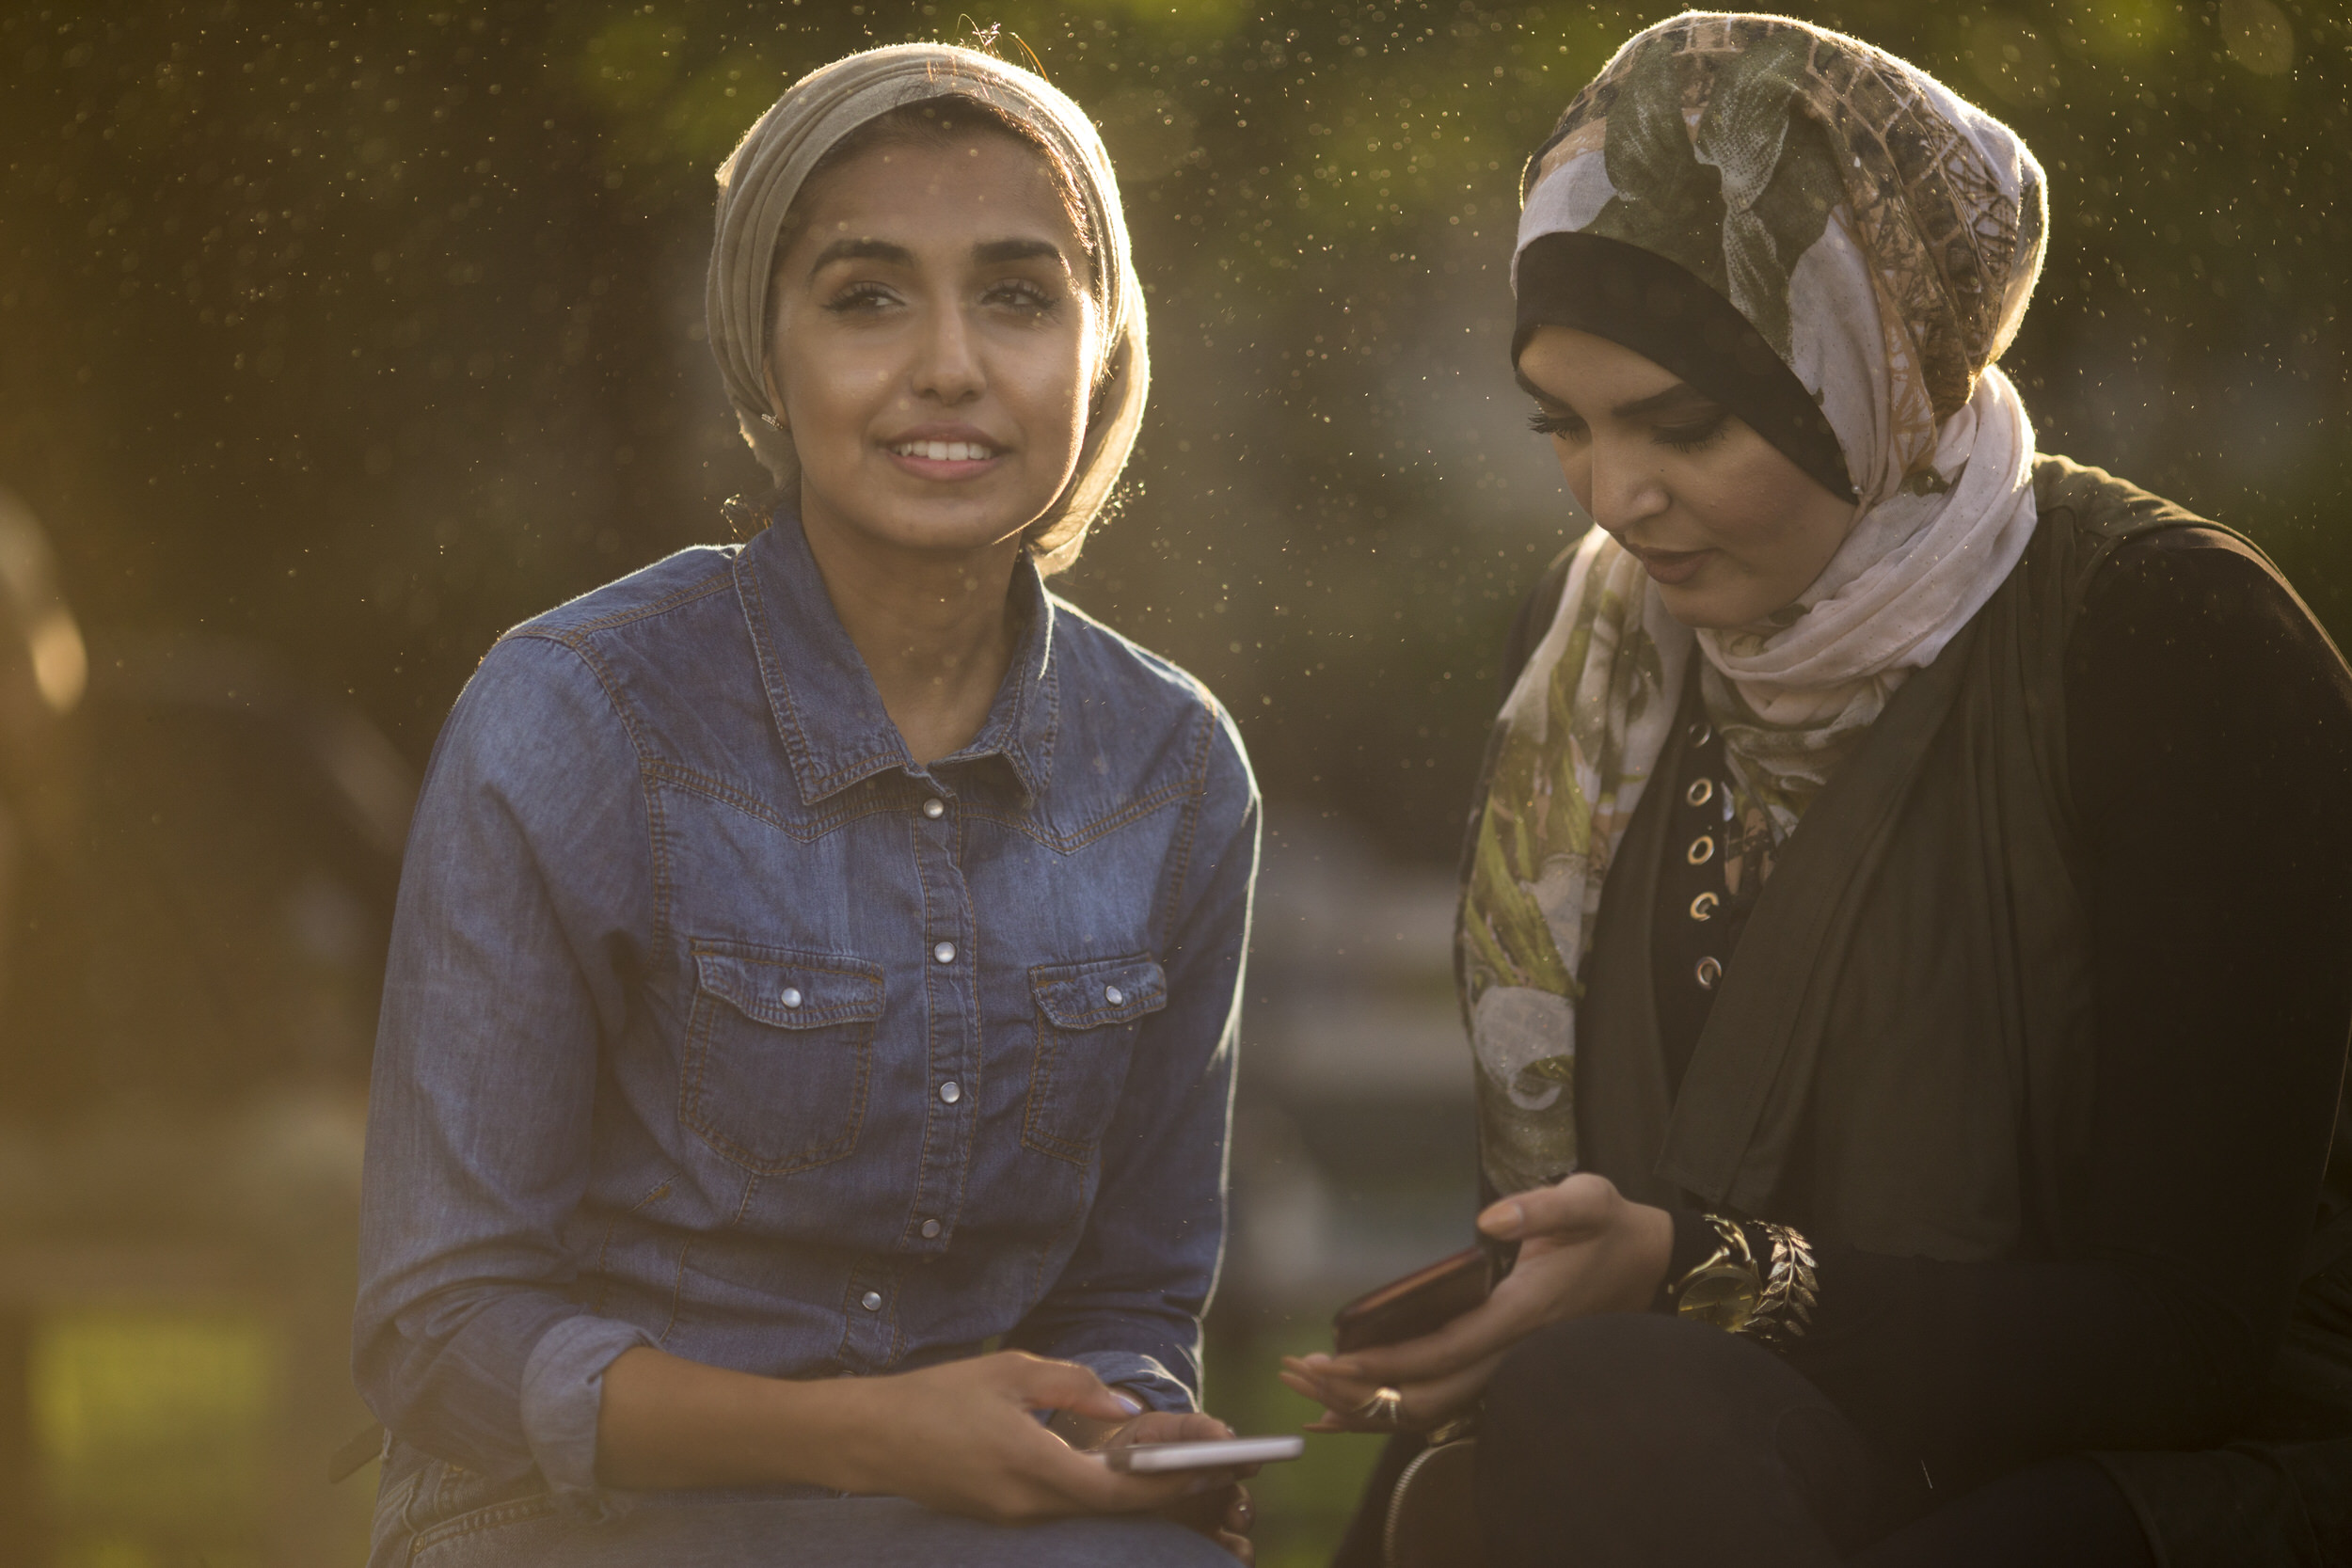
1703,611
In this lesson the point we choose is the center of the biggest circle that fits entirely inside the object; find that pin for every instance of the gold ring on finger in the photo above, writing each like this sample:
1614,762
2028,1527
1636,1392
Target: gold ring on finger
1386,1409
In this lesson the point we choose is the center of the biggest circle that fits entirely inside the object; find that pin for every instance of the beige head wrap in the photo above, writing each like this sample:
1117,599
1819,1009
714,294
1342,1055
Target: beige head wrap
760,178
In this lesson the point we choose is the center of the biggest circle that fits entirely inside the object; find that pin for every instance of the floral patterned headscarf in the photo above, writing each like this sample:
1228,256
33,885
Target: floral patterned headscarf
1881,237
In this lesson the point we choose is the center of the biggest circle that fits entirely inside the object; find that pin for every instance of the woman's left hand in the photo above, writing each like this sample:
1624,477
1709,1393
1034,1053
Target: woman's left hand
1583,1248
1221,1509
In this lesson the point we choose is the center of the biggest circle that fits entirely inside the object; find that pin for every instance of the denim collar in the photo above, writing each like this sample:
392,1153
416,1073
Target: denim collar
826,705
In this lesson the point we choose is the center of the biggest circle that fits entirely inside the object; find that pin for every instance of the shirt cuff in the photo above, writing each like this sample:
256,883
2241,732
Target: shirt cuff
1140,1376
563,1392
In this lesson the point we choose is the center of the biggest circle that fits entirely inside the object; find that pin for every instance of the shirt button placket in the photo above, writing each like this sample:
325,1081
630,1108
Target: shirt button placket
951,1018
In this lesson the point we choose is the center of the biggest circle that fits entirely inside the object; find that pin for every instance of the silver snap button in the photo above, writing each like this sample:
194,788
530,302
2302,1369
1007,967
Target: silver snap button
951,1091
1709,971
934,809
1113,995
1701,732
791,997
1700,792
945,953
931,1231
871,1301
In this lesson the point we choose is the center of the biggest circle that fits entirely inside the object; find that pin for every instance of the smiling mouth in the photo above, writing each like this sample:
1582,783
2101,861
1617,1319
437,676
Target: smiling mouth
947,451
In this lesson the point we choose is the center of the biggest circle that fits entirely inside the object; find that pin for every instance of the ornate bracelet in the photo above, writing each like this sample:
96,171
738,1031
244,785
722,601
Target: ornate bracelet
1771,1305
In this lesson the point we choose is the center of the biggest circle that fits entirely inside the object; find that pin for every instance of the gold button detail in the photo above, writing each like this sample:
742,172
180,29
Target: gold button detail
1700,792
1709,973
1702,850
1703,907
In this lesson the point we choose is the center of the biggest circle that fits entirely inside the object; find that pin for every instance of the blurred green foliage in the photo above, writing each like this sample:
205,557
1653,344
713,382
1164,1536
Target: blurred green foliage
363,332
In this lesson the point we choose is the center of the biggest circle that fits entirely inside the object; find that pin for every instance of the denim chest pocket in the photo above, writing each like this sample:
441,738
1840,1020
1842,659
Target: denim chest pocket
779,1050
1087,1016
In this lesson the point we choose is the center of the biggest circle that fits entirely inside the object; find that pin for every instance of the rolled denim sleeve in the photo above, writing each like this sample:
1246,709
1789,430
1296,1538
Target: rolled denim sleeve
526,897
1130,1301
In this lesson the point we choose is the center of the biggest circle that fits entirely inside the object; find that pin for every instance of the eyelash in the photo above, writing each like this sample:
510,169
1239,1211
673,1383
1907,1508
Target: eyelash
1685,438
857,296
1028,297
1023,295
1690,437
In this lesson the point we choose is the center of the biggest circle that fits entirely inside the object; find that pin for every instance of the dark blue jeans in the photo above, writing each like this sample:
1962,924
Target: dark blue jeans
431,1514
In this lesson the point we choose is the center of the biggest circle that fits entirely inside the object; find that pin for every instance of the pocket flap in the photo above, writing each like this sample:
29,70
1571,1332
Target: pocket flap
1100,991
789,989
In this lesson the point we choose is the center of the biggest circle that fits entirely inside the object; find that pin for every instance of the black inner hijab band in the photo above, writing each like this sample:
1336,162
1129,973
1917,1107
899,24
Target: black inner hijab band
1642,301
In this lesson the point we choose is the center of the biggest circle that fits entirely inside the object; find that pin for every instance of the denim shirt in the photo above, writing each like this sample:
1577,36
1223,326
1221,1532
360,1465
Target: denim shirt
714,1022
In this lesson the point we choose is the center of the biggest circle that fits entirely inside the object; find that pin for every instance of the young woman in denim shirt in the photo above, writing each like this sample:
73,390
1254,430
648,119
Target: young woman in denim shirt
818,959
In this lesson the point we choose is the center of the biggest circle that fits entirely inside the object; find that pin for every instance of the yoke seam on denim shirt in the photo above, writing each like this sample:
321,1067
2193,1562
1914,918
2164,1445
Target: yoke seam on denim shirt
586,653
716,583
585,650
1134,811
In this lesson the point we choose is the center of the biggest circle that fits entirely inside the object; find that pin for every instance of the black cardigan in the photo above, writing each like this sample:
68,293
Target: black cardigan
2209,733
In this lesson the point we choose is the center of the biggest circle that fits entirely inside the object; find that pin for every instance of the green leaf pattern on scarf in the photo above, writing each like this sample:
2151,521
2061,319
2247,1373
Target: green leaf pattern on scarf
1578,734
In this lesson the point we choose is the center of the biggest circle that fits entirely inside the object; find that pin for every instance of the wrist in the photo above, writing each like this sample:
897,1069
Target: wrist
1653,1249
826,1433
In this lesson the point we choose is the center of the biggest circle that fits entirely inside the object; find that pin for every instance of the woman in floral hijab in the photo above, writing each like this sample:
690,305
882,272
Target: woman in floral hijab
1903,920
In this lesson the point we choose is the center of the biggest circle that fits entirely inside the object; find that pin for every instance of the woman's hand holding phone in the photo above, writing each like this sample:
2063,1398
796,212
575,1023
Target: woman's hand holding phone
1213,1502
1583,1248
961,1437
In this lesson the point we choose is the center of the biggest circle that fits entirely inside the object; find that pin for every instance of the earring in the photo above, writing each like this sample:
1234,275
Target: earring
771,422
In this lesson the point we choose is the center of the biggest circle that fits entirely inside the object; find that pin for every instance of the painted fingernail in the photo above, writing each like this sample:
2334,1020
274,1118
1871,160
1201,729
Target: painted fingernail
1503,1219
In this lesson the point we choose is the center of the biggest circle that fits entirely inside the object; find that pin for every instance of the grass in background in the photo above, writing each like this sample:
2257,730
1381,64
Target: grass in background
1304,1506
156,1430
153,1427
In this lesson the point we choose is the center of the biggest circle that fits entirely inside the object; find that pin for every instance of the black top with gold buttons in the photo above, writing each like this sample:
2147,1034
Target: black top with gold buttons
1700,911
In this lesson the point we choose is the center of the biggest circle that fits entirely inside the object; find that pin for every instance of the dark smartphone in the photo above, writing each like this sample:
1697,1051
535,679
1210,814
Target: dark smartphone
1422,1302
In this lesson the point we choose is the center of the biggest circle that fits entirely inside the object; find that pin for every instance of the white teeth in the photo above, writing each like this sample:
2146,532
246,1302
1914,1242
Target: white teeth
942,451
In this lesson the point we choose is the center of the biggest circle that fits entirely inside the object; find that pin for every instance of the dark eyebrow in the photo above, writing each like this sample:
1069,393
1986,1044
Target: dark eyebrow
1674,399
1532,390
1679,398
862,251
989,253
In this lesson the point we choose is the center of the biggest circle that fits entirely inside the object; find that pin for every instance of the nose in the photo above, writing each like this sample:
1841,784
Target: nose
948,368
1621,487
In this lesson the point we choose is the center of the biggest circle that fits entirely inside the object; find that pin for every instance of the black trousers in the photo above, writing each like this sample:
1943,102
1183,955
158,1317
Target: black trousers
1649,1442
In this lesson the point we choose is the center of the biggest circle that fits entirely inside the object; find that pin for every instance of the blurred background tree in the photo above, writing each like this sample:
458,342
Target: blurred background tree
336,338
364,332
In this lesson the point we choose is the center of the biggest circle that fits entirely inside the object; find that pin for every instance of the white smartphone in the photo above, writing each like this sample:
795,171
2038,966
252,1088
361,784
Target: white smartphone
1209,1453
